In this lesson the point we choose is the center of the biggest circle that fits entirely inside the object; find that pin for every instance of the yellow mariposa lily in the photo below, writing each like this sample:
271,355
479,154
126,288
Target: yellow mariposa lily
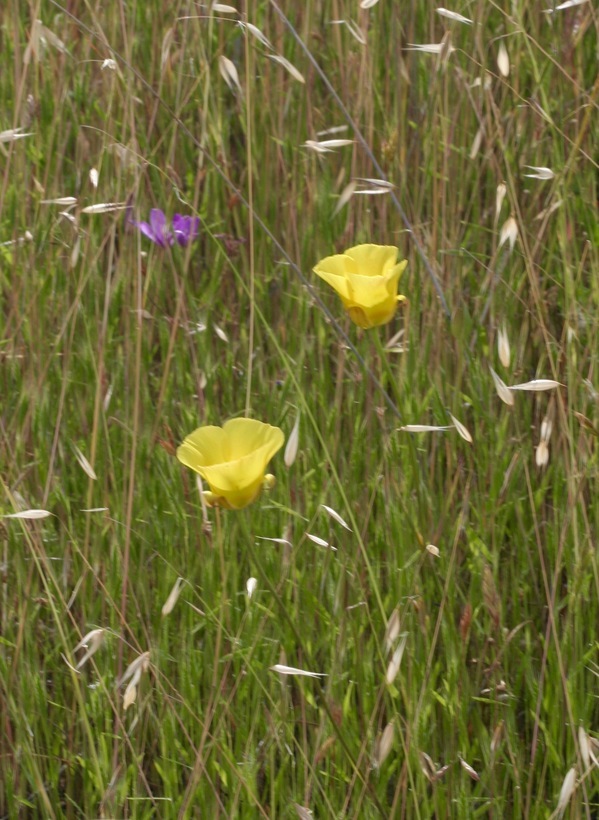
232,459
366,278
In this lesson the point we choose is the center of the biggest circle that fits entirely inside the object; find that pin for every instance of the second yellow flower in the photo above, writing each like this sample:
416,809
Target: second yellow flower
366,277
232,459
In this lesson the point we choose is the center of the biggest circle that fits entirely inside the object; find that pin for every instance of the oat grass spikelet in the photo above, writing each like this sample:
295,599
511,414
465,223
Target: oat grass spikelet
366,278
232,459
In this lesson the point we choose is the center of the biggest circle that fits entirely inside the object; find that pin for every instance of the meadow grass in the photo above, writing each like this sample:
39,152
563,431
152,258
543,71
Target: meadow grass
456,623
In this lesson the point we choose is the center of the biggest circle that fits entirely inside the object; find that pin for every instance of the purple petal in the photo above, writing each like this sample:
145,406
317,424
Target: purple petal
181,229
157,220
145,228
162,236
179,224
185,228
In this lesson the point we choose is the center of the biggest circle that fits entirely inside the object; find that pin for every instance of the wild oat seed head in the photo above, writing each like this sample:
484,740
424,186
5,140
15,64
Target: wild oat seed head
508,233
383,745
503,347
503,60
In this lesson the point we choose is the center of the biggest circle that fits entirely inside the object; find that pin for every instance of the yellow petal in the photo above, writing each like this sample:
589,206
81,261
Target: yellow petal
232,459
232,498
393,277
372,317
235,474
206,445
368,291
245,436
338,283
359,317
373,260
339,265
334,270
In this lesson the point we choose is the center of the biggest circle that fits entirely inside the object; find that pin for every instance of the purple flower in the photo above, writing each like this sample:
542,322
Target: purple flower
156,229
184,228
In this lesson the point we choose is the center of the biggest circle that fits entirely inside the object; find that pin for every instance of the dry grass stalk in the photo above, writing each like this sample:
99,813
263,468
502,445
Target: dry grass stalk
491,596
499,197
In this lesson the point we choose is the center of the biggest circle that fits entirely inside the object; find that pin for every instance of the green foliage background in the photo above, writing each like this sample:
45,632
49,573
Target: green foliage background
120,349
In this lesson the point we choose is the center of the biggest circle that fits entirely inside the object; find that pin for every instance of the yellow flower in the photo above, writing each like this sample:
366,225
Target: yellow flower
232,459
366,278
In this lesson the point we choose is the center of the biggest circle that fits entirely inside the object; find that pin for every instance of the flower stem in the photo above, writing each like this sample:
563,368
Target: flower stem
248,141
